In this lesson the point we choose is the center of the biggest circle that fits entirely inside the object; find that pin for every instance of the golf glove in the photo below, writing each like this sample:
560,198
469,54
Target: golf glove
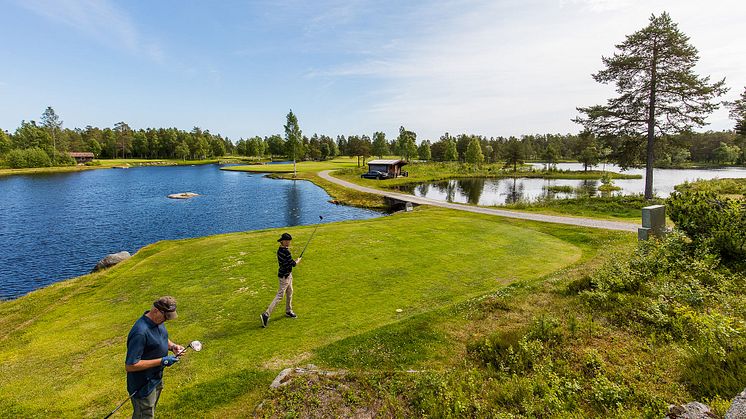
169,360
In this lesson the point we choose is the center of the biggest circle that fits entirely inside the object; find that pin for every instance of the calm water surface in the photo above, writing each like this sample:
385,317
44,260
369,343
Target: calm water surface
57,226
490,192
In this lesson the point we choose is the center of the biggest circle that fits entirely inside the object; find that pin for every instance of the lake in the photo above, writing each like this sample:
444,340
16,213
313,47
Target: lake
58,226
492,192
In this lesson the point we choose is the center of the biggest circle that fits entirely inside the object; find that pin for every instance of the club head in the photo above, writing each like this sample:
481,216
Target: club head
196,345
321,218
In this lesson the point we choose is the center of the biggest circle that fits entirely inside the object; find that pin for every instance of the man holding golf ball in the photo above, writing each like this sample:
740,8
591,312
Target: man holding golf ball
147,355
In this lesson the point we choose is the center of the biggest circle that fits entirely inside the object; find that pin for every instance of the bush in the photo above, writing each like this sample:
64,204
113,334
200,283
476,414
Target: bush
709,219
31,157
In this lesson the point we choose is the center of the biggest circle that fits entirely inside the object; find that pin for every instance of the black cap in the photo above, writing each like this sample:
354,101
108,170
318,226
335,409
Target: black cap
285,236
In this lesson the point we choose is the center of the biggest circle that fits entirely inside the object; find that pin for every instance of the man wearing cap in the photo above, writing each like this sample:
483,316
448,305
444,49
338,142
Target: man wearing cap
147,355
285,275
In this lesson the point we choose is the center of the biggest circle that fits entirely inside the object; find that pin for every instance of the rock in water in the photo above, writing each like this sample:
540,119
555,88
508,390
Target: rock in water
737,408
183,195
111,260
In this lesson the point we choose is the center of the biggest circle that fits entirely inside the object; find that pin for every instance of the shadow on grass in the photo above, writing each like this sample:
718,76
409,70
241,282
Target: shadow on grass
224,389
395,346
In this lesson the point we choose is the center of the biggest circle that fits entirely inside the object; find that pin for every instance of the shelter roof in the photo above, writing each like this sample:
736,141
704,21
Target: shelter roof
387,162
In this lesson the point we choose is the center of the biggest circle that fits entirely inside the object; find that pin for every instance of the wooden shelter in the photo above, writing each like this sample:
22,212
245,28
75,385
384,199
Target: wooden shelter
391,168
81,156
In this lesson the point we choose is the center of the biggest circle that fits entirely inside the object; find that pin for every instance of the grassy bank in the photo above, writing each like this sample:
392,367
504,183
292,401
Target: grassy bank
620,208
301,167
47,170
109,163
353,278
435,171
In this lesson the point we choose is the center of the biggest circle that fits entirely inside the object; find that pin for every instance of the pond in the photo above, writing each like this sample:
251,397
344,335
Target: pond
492,192
57,226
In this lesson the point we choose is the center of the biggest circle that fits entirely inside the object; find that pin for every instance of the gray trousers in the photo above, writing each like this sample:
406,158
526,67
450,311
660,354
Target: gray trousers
286,289
145,408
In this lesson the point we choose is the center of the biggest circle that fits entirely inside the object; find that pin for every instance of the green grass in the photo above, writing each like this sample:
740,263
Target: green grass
45,170
623,208
109,163
301,167
155,162
353,278
435,171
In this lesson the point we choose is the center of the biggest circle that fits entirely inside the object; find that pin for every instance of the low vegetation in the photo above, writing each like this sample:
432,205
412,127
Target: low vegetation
625,207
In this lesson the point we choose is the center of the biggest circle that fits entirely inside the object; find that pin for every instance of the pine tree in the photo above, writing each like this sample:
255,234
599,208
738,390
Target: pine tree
474,153
738,113
659,93
293,139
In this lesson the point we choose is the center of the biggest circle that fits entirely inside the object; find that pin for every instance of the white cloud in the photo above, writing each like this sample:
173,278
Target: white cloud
512,68
100,20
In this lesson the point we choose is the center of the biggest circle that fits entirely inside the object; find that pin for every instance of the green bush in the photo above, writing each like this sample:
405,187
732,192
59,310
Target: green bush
36,157
710,219
31,157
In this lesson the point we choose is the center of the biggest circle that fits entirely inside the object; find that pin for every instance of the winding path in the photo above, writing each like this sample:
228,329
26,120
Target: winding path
583,222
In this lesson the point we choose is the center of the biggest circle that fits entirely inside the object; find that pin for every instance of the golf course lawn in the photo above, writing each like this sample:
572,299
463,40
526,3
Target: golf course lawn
301,166
62,348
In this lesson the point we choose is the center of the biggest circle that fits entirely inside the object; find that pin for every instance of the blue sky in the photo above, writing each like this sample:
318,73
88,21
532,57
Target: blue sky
344,67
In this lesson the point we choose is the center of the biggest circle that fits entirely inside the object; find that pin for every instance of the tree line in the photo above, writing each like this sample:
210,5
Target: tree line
47,143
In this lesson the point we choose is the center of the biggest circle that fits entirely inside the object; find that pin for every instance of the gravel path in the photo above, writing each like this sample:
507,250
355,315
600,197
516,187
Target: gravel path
583,222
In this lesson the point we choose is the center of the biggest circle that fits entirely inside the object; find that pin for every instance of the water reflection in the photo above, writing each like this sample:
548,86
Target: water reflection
471,188
491,191
293,204
587,187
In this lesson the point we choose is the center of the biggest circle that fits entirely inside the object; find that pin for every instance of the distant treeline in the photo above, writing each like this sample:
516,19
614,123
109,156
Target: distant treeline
47,144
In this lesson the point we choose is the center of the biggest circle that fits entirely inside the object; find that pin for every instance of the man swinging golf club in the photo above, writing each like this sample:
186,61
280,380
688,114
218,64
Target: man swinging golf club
285,275
147,355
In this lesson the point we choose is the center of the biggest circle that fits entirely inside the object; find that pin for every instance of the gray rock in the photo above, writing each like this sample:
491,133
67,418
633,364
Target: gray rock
693,410
111,260
738,407
183,195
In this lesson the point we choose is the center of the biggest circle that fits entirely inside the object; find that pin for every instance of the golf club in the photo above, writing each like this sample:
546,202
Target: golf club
309,239
195,344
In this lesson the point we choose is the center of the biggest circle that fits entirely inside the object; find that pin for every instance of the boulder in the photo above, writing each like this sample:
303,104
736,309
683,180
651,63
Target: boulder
737,408
111,260
693,410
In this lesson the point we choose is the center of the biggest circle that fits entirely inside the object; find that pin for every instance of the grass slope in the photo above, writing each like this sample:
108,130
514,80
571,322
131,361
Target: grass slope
62,347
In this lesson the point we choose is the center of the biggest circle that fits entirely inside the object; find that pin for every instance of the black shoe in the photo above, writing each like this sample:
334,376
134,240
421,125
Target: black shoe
265,319
290,314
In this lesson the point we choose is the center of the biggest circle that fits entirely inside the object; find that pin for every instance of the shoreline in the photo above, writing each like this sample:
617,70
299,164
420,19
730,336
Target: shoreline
115,163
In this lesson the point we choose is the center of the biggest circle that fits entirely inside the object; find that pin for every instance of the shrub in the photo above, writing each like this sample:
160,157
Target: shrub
37,157
31,157
709,219
16,159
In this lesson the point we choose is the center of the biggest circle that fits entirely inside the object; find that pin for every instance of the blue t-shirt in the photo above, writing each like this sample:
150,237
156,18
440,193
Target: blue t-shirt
146,340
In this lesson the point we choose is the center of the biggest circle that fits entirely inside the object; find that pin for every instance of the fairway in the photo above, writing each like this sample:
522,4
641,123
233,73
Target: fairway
62,348
301,166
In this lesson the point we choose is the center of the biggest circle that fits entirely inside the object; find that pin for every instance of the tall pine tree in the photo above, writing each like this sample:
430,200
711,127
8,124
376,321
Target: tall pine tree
293,139
659,94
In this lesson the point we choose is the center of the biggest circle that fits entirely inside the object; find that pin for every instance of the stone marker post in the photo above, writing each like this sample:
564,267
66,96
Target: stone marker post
653,222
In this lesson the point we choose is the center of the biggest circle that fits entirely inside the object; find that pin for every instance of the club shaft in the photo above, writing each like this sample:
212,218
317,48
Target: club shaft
309,241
